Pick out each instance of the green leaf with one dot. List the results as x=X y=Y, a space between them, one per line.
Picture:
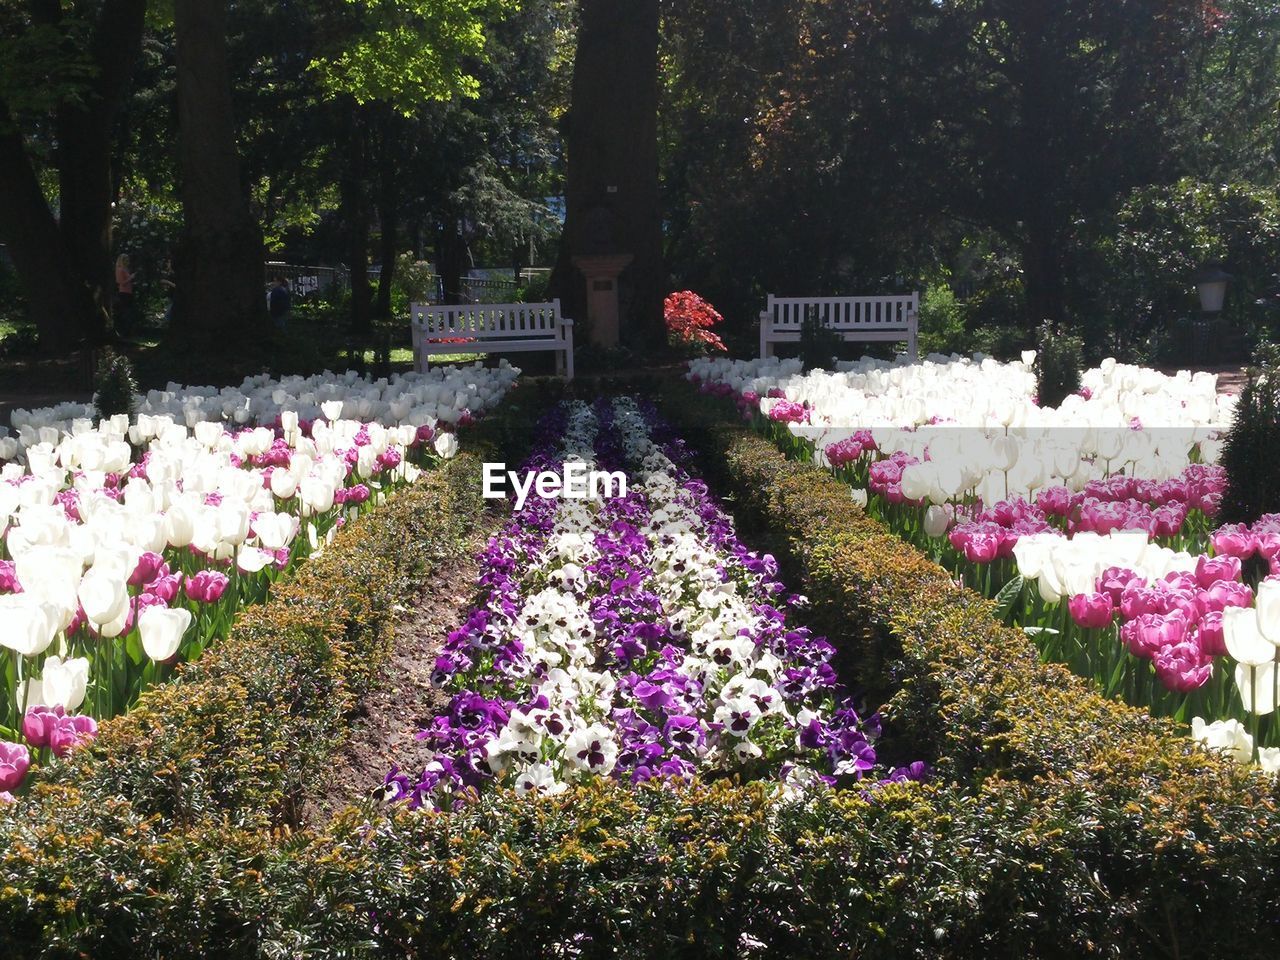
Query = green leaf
x=133 y=647
x=1007 y=597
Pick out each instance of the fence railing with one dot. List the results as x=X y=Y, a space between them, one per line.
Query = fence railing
x=305 y=281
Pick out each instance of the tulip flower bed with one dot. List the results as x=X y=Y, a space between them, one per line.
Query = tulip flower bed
x=127 y=548
x=1038 y=835
x=1092 y=525
x=635 y=638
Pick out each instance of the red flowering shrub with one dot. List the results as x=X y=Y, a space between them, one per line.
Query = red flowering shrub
x=690 y=319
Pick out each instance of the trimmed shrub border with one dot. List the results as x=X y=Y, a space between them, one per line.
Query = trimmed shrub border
x=1061 y=824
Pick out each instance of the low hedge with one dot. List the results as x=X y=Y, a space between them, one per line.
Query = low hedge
x=1059 y=824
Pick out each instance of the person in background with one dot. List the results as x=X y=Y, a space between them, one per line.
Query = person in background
x=279 y=302
x=124 y=296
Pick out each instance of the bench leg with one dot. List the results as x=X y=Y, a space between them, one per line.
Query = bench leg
x=766 y=348
x=914 y=348
x=560 y=364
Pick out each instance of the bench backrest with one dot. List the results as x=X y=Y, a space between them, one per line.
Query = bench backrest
x=845 y=313
x=487 y=321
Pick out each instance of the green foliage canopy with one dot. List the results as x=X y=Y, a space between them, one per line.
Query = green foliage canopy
x=407 y=53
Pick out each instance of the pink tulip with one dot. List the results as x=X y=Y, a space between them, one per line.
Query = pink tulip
x=1152 y=632
x=1092 y=611
x=1268 y=542
x=68 y=733
x=1114 y=580
x=38 y=724
x=983 y=546
x=1212 y=641
x=149 y=567
x=1223 y=594
x=1209 y=570
x=1169 y=519
x=9 y=577
x=1055 y=501
x=1182 y=668
x=1234 y=540
x=1137 y=599
x=784 y=411
x=14 y=761
x=166 y=588
x=207 y=586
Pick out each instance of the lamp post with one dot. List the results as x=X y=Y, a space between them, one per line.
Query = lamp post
x=1211 y=284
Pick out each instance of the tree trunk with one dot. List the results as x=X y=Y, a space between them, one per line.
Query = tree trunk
x=85 y=196
x=1042 y=271
x=220 y=290
x=355 y=208
x=389 y=220
x=64 y=264
x=58 y=303
x=452 y=254
x=86 y=184
x=611 y=197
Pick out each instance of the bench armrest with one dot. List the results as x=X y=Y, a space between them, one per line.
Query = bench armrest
x=566 y=322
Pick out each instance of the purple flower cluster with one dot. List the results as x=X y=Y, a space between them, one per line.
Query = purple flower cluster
x=635 y=638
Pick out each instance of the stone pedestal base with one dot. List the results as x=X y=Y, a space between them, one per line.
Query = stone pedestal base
x=602 y=295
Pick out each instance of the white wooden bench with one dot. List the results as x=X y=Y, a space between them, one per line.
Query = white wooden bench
x=891 y=319
x=491 y=328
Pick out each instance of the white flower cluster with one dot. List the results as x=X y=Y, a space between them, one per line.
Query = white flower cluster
x=78 y=512
x=731 y=681
x=983 y=430
x=411 y=400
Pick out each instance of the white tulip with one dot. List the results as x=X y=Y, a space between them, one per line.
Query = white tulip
x=1269 y=760
x=179 y=522
x=103 y=594
x=447 y=445
x=275 y=530
x=251 y=559
x=1257 y=687
x=1245 y=641
x=162 y=630
x=1226 y=736
x=64 y=682
x=29 y=625
x=1267 y=603
x=937 y=520
x=283 y=483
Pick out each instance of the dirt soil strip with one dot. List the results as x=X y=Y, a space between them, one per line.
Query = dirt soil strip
x=403 y=701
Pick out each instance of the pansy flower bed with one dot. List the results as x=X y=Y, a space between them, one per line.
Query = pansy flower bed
x=634 y=638
x=1091 y=524
x=130 y=545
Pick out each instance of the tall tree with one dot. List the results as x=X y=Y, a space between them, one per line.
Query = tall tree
x=383 y=58
x=612 y=198
x=69 y=65
x=219 y=261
